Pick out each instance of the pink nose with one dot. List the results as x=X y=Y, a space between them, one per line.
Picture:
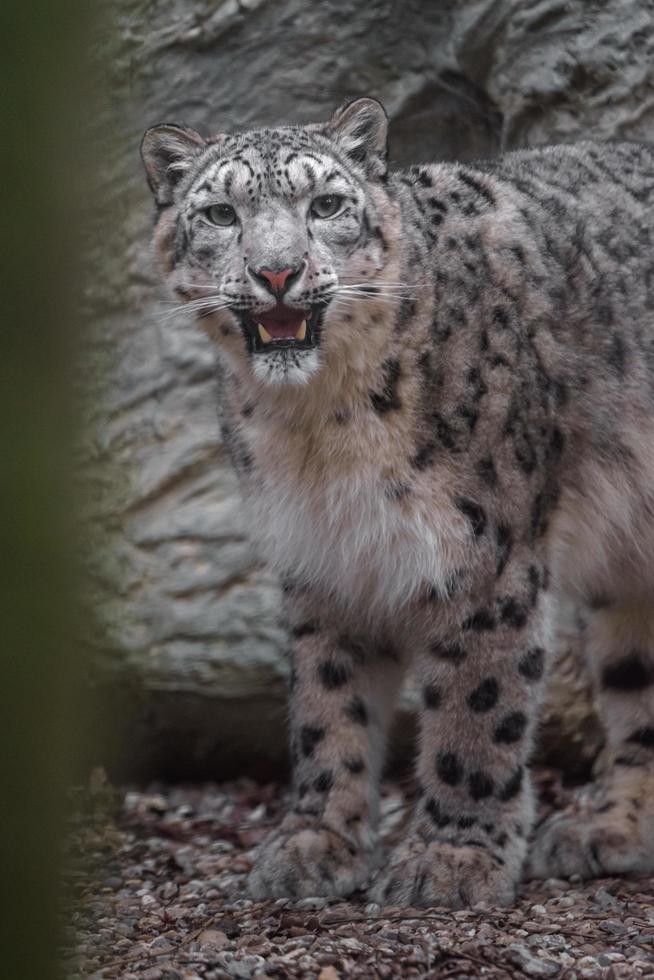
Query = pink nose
x=277 y=280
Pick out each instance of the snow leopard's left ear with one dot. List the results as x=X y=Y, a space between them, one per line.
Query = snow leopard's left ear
x=361 y=129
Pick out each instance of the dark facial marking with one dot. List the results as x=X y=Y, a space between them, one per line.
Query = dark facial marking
x=205 y=253
x=355 y=766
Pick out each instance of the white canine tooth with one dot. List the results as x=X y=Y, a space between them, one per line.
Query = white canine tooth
x=263 y=333
x=301 y=331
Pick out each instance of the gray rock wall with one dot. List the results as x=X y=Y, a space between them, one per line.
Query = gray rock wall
x=186 y=646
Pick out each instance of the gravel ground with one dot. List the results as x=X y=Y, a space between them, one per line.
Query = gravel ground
x=156 y=891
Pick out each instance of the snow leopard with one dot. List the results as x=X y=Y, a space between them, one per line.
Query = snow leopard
x=437 y=390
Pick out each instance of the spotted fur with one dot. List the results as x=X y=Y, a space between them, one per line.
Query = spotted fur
x=466 y=433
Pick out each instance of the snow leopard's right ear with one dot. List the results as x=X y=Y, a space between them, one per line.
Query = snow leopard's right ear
x=361 y=129
x=168 y=152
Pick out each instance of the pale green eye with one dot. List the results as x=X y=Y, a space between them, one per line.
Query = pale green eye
x=326 y=205
x=221 y=214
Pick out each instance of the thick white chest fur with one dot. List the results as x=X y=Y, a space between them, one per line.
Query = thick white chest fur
x=344 y=535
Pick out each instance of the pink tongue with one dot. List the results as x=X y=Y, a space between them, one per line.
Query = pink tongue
x=284 y=326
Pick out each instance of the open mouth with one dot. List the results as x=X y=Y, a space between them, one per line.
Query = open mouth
x=282 y=328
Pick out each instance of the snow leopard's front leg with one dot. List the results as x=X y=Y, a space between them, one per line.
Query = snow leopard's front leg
x=343 y=686
x=480 y=678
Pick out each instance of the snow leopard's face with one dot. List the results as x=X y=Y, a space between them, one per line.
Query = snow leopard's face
x=269 y=234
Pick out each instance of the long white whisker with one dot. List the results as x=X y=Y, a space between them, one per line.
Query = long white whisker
x=379 y=296
x=375 y=285
x=195 y=306
x=373 y=289
x=380 y=284
x=364 y=294
x=170 y=304
x=349 y=280
x=378 y=290
x=360 y=299
x=192 y=307
x=198 y=285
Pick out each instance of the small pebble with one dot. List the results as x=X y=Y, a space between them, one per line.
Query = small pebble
x=329 y=973
x=312 y=903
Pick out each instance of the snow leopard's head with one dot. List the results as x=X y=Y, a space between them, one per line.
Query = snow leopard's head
x=271 y=236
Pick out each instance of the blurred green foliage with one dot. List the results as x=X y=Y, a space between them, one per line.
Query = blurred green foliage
x=47 y=94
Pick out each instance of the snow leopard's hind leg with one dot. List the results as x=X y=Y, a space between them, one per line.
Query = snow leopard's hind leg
x=609 y=829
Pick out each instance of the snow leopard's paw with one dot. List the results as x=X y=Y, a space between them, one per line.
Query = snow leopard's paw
x=301 y=862
x=426 y=874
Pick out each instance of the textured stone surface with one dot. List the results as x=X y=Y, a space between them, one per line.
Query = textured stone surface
x=187 y=642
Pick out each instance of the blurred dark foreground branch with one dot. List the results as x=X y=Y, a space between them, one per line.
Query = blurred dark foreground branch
x=44 y=81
